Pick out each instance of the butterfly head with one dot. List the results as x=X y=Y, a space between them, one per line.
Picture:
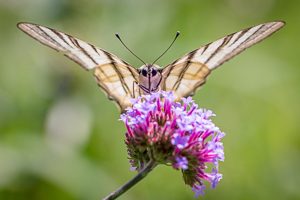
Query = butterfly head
x=149 y=70
x=149 y=77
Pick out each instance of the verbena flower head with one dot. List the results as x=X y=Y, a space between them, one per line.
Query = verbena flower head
x=175 y=133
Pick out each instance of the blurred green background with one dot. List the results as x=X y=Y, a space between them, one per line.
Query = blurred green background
x=60 y=137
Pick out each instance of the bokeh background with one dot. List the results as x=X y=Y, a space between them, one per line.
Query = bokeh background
x=60 y=137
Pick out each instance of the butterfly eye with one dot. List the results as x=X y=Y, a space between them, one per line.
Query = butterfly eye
x=144 y=72
x=154 y=72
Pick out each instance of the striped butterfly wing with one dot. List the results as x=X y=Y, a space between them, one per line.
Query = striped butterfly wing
x=114 y=76
x=185 y=75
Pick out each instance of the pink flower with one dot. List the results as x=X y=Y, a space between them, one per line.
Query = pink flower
x=174 y=133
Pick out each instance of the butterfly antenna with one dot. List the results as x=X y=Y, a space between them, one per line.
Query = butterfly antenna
x=117 y=35
x=176 y=36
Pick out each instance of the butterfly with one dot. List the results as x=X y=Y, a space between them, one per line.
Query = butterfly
x=121 y=82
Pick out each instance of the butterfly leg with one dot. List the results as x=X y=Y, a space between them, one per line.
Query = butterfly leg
x=142 y=89
x=133 y=89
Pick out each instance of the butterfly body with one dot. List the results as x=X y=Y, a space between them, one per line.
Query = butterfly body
x=122 y=82
x=150 y=78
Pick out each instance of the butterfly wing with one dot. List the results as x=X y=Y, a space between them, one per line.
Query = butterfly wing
x=188 y=73
x=114 y=76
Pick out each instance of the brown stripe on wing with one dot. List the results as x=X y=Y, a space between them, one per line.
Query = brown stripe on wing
x=173 y=64
x=243 y=32
x=95 y=49
x=106 y=82
x=204 y=72
x=72 y=56
x=84 y=51
x=106 y=91
x=259 y=29
x=61 y=36
x=250 y=36
x=102 y=71
x=48 y=38
x=130 y=69
x=224 y=42
x=125 y=63
x=185 y=68
x=205 y=48
x=120 y=75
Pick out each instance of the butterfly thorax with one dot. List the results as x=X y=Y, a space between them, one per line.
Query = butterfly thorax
x=149 y=78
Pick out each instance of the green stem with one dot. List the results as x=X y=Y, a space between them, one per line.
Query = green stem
x=143 y=173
